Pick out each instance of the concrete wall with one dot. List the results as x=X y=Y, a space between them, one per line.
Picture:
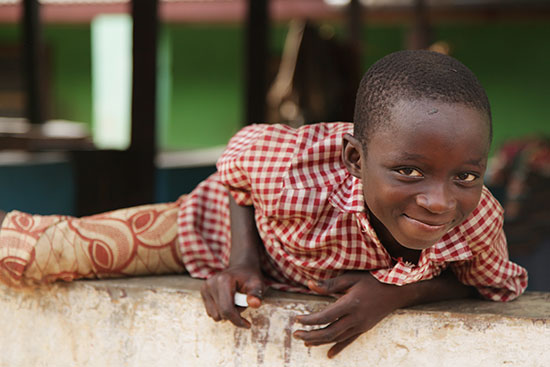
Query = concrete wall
x=160 y=321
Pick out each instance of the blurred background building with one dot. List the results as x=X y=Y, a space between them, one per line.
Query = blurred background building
x=111 y=103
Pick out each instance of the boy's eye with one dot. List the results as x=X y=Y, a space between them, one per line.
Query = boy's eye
x=409 y=172
x=466 y=177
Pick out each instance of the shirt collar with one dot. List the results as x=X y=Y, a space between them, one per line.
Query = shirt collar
x=453 y=246
x=348 y=195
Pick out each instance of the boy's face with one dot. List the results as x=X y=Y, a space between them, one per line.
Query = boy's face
x=423 y=174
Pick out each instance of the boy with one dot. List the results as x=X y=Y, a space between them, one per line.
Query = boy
x=389 y=212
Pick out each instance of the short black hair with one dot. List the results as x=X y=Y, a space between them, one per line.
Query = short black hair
x=412 y=75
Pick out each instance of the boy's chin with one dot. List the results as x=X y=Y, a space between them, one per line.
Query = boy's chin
x=419 y=247
x=418 y=244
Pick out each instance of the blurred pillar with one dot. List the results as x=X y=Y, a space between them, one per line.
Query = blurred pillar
x=355 y=25
x=420 y=36
x=256 y=58
x=144 y=97
x=32 y=46
x=355 y=15
x=112 y=179
x=144 y=75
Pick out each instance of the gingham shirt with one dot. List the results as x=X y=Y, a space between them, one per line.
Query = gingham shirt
x=311 y=216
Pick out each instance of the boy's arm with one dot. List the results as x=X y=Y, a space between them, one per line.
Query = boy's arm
x=2 y=215
x=243 y=273
x=366 y=301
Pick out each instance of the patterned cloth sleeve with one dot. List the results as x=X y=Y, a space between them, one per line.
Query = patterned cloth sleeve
x=231 y=166
x=37 y=249
x=490 y=271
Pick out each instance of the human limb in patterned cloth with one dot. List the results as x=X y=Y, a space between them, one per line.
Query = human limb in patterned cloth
x=134 y=241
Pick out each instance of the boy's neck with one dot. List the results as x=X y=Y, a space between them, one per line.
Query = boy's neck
x=394 y=248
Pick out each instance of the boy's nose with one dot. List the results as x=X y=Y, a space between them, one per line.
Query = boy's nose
x=437 y=199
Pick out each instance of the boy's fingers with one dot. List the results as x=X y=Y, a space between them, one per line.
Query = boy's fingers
x=253 y=301
x=335 y=332
x=339 y=284
x=317 y=337
x=233 y=315
x=227 y=308
x=349 y=332
x=338 y=347
x=209 y=304
x=326 y=316
x=255 y=288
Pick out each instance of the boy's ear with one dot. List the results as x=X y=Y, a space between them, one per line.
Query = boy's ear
x=351 y=155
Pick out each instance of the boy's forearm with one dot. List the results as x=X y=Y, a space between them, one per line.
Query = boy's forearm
x=245 y=240
x=442 y=288
x=243 y=274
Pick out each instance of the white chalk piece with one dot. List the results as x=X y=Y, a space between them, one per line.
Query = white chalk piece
x=240 y=299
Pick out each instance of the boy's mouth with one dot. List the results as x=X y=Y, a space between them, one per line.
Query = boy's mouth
x=426 y=225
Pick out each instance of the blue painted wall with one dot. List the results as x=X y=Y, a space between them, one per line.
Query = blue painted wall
x=37 y=188
x=49 y=188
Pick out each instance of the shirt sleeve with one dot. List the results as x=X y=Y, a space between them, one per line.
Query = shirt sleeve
x=233 y=165
x=490 y=270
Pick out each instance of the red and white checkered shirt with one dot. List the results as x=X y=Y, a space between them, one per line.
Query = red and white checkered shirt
x=311 y=216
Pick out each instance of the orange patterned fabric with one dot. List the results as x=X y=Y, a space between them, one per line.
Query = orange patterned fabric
x=135 y=241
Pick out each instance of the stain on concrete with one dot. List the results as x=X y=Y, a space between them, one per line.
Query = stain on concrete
x=401 y=352
x=541 y=322
x=260 y=335
x=287 y=340
x=116 y=293
x=238 y=335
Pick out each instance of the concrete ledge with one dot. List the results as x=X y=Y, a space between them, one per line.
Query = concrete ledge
x=160 y=321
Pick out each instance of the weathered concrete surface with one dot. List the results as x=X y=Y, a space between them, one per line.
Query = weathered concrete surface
x=160 y=321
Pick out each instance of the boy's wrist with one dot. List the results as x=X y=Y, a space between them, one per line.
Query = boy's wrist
x=441 y=288
x=245 y=240
x=248 y=260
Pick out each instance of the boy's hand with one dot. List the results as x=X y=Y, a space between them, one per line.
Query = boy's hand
x=218 y=291
x=365 y=302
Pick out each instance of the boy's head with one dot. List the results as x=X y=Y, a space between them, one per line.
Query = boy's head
x=413 y=75
x=421 y=140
